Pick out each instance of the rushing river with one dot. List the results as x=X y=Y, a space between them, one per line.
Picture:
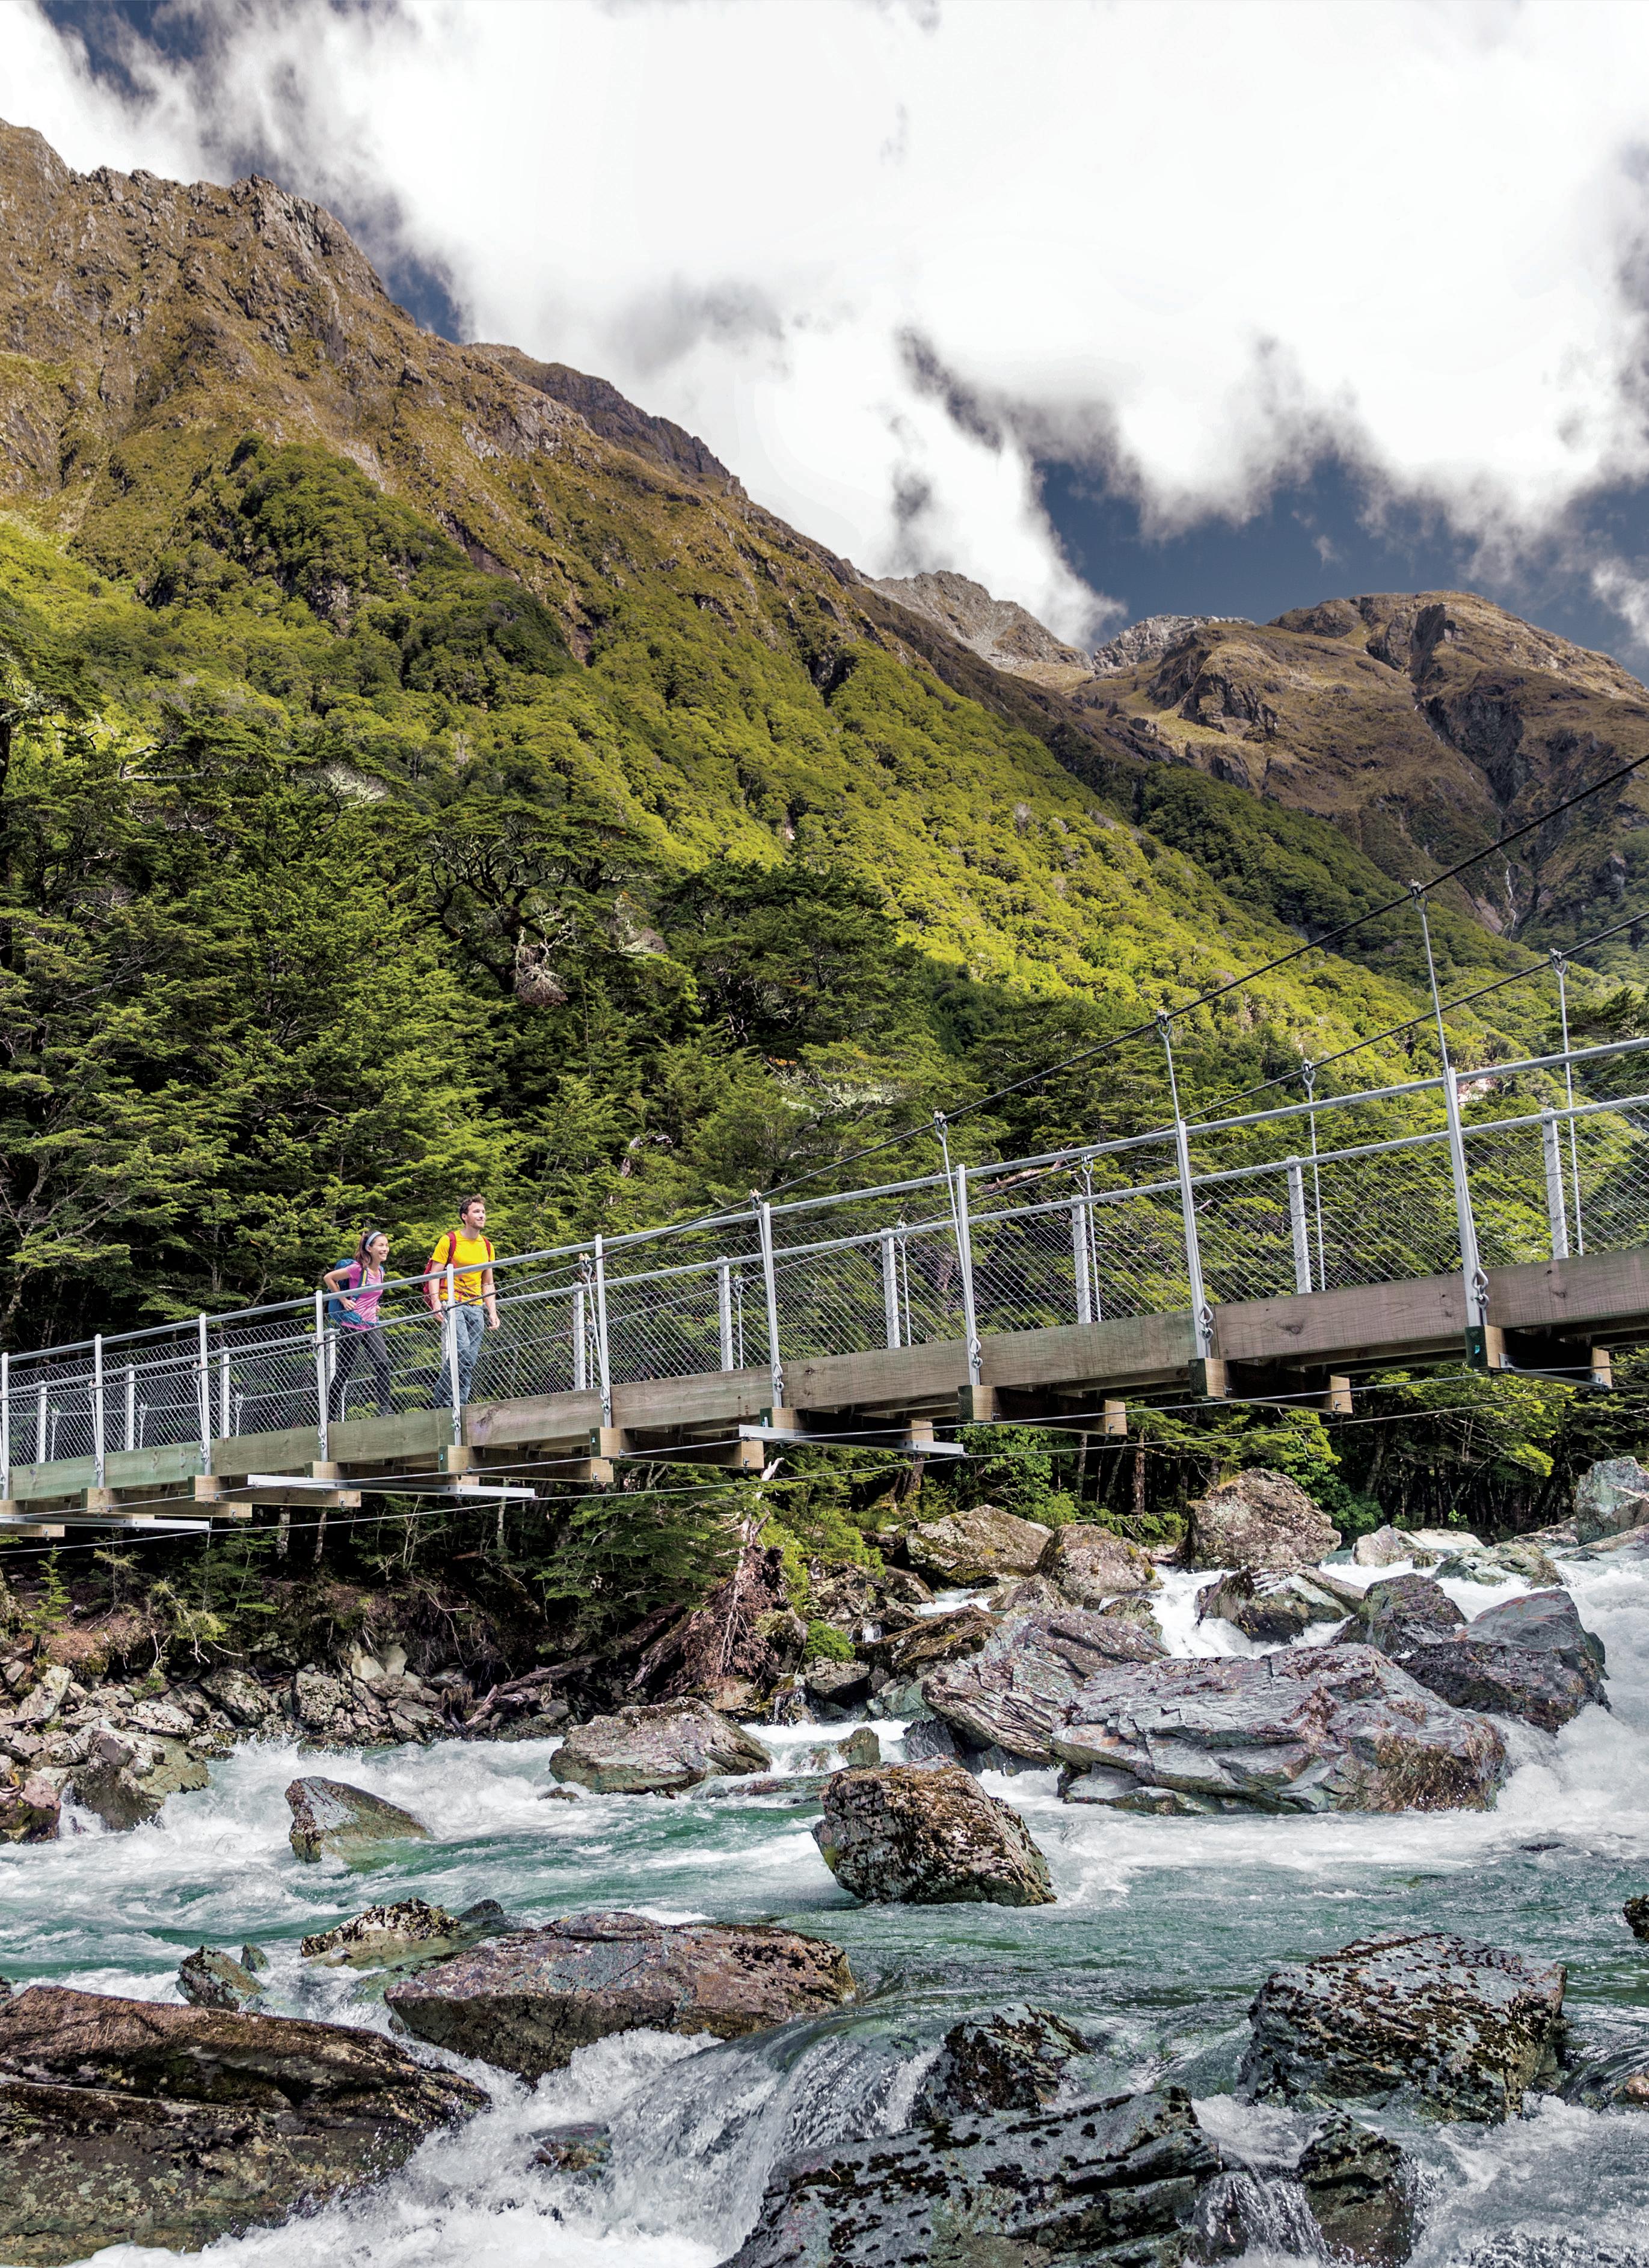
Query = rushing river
x=1163 y=1929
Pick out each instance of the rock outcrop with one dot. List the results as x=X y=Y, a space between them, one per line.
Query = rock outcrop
x=330 y=1819
x=1529 y=1657
x=928 y=1835
x=128 y=2122
x=1091 y=1564
x=656 y=1749
x=1258 y=1518
x=1314 y=1728
x=1012 y=2059
x=529 y=2001
x=30 y=1808
x=1008 y=1697
x=1402 y=1611
x=976 y=1546
x=1461 y=2028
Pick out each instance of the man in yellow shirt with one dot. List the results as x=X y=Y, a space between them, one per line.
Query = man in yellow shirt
x=468 y=1250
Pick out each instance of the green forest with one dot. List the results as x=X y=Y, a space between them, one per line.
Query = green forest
x=334 y=883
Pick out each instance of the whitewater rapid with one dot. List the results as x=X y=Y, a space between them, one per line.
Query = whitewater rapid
x=1163 y=1930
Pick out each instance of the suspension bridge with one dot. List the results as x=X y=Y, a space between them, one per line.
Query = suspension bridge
x=1498 y=1217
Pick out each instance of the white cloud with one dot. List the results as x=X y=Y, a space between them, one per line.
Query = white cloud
x=1190 y=241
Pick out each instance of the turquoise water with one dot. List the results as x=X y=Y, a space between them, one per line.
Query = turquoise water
x=1163 y=1930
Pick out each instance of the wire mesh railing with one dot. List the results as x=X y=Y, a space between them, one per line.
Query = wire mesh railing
x=1544 y=1158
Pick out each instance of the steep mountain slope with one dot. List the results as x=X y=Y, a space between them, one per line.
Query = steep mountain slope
x=424 y=766
x=1425 y=727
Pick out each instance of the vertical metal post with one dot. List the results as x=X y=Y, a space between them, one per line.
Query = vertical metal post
x=100 y=1459
x=1079 y=1261
x=129 y=1430
x=39 y=1428
x=965 y=1261
x=1308 y=1073
x=453 y=1387
x=320 y=1379
x=770 y=1288
x=1297 y=1225
x=6 y=1426
x=602 y=1356
x=1552 y=1157
x=724 y=1311
x=1562 y=968
x=204 y=1393
x=580 y=1342
x=1201 y=1313
x=1474 y=1281
x=890 y=1286
x=225 y=1428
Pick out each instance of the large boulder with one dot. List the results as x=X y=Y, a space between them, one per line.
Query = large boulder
x=1091 y=1564
x=1314 y=1729
x=1463 y=2029
x=656 y=1749
x=126 y=1776
x=1012 y=2059
x=1258 y=1518
x=1529 y=1657
x=527 y=2001
x=1610 y=1497
x=1272 y=1608
x=928 y=1835
x=331 y=1819
x=1011 y=1695
x=1117 y=2179
x=128 y=2122
x=1401 y=1612
x=976 y=1546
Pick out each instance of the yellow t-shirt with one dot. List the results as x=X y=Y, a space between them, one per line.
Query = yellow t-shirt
x=461 y=1250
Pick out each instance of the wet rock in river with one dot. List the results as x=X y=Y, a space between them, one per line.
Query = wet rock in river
x=902 y=1656
x=838 y=1687
x=1464 y=2029
x=1012 y=2059
x=976 y=1546
x=30 y=1808
x=1359 y=2189
x=1091 y=1564
x=1013 y=1691
x=582 y=2147
x=331 y=1819
x=1403 y=1610
x=1610 y=1497
x=1271 y=1608
x=1637 y=1913
x=1258 y=1518
x=656 y=1749
x=928 y=1835
x=1529 y=1657
x=1314 y=1728
x=128 y=2122
x=527 y=2000
x=217 y=1980
x=1114 y=2179
x=126 y=1776
x=393 y=1936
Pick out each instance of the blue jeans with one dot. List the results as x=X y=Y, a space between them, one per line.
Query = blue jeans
x=469 y=1325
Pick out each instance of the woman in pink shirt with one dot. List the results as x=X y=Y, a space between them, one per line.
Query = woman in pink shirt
x=358 y=1286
